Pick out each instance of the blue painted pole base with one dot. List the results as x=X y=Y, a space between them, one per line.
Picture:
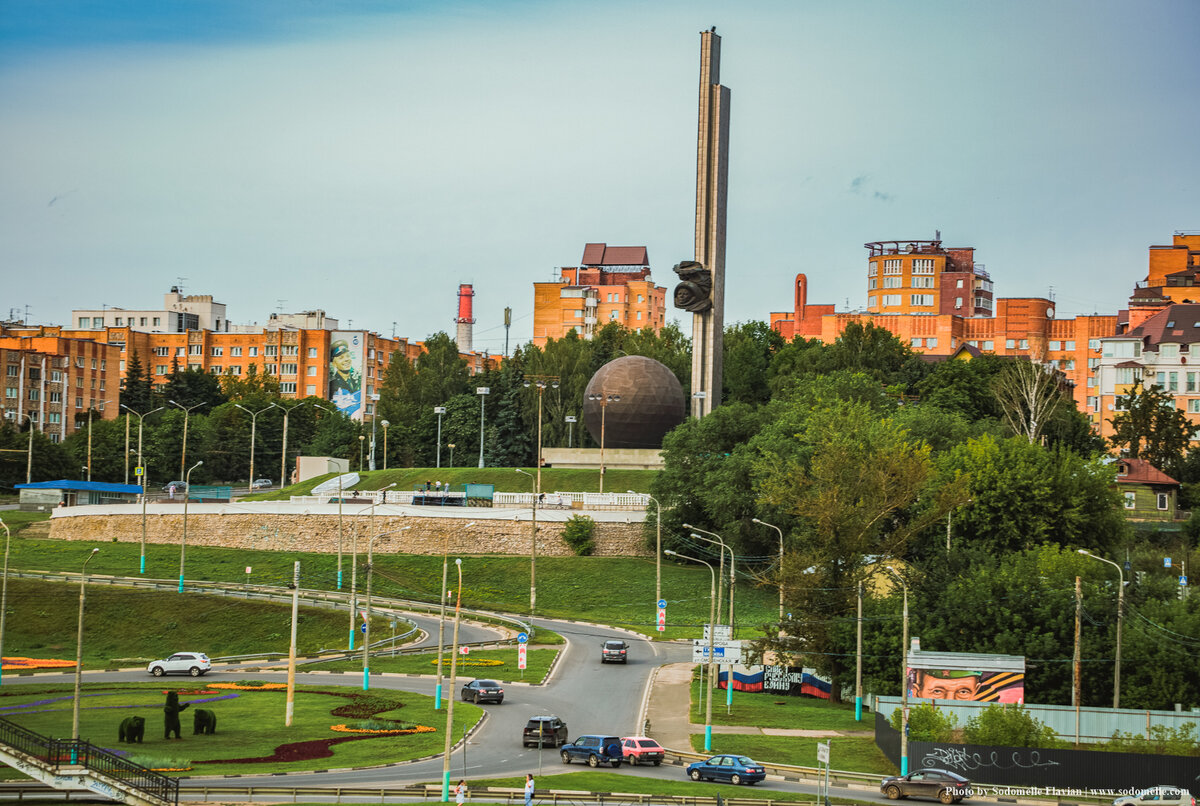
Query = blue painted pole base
x=904 y=765
x=181 y=583
x=143 y=566
x=446 y=787
x=352 y=640
x=366 y=679
x=339 y=580
x=708 y=738
x=437 y=697
x=858 y=709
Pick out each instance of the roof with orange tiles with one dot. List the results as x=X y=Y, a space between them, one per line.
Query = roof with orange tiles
x=599 y=254
x=1139 y=471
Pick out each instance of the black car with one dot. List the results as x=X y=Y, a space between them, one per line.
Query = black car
x=615 y=651
x=948 y=787
x=595 y=749
x=478 y=691
x=544 y=731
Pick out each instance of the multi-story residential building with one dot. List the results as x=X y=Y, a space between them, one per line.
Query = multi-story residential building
x=178 y=315
x=611 y=284
x=923 y=277
x=803 y=320
x=1174 y=270
x=53 y=382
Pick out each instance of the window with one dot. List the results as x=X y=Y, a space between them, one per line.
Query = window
x=312 y=352
x=1172 y=381
x=959 y=284
x=235 y=369
x=13 y=370
x=79 y=362
x=641 y=298
x=253 y=351
x=271 y=349
x=311 y=371
x=892 y=282
x=370 y=354
x=142 y=321
x=1168 y=351
x=871 y=300
x=195 y=349
x=214 y=370
x=1093 y=363
x=83 y=321
x=1024 y=344
x=161 y=369
x=1091 y=381
x=1160 y=380
x=1130 y=500
x=1194 y=406
x=613 y=315
x=958 y=302
x=1069 y=364
x=922 y=300
x=55 y=417
x=192 y=367
x=918 y=342
x=218 y=351
x=639 y=316
x=1191 y=382
x=179 y=352
x=1010 y=344
x=931 y=343
x=10 y=392
x=157 y=321
x=1068 y=345
x=989 y=345
x=310 y=390
x=922 y=265
x=287 y=388
x=1122 y=349
x=290 y=349
x=120 y=321
x=891 y=267
x=289 y=369
x=162 y=351
x=97 y=321
x=1125 y=375
x=1093 y=403
x=1093 y=344
x=1164 y=501
x=1055 y=345
x=79 y=383
x=872 y=283
x=922 y=282
x=56 y=397
x=872 y=270
x=891 y=299
x=578 y=314
x=103 y=365
x=271 y=369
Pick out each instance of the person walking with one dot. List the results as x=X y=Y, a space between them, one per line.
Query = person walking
x=460 y=792
x=528 y=789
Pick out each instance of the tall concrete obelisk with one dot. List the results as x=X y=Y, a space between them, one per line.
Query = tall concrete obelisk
x=712 y=177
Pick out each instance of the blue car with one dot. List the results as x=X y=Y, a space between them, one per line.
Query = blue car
x=734 y=769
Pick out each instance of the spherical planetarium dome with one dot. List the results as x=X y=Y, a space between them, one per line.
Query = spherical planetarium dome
x=642 y=401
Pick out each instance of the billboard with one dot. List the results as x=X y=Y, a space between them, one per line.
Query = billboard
x=347 y=349
x=966 y=676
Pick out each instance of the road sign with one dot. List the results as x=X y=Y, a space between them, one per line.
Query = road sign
x=662 y=604
x=823 y=752
x=723 y=633
x=727 y=652
x=522 y=638
x=662 y=619
x=1166 y=562
x=139 y=471
x=521 y=656
x=1183 y=580
x=364 y=628
x=464 y=650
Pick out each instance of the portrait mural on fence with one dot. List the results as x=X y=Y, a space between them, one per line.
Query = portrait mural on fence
x=345 y=372
x=966 y=676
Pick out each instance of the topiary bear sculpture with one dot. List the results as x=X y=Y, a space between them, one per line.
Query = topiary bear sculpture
x=203 y=721
x=132 y=729
x=171 y=715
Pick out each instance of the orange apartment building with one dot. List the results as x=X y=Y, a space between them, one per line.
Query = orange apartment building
x=611 y=284
x=923 y=277
x=53 y=382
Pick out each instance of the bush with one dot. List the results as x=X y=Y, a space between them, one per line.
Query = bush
x=579 y=534
x=1008 y=726
x=926 y=723
x=1163 y=741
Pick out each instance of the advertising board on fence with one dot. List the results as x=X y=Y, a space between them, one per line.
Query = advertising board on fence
x=966 y=676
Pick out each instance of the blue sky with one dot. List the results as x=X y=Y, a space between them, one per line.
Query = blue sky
x=367 y=157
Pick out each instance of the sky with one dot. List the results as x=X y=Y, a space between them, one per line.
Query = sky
x=365 y=158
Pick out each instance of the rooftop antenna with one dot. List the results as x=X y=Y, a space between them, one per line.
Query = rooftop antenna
x=179 y=284
x=1052 y=293
x=279 y=305
x=393 y=331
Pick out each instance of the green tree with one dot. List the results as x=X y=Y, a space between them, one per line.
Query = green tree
x=925 y=723
x=1029 y=395
x=1149 y=426
x=51 y=461
x=747 y=352
x=254 y=390
x=194 y=387
x=136 y=392
x=1008 y=725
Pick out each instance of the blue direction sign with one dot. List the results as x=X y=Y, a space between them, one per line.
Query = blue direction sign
x=522 y=638
x=662 y=603
x=1183 y=580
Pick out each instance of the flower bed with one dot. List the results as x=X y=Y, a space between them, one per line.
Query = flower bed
x=471 y=662
x=34 y=663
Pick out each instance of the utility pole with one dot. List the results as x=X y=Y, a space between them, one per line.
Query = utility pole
x=1076 y=689
x=858 y=663
x=291 y=678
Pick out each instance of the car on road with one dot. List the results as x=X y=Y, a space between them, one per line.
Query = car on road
x=1159 y=796
x=595 y=749
x=544 y=731
x=946 y=786
x=179 y=486
x=193 y=663
x=478 y=691
x=734 y=769
x=260 y=484
x=615 y=651
x=642 y=750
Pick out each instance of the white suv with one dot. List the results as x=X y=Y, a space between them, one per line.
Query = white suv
x=193 y=663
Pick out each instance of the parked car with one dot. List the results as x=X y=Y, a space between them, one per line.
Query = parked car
x=734 y=769
x=642 y=750
x=948 y=787
x=1159 y=796
x=595 y=749
x=544 y=731
x=478 y=691
x=260 y=484
x=615 y=651
x=193 y=663
x=179 y=486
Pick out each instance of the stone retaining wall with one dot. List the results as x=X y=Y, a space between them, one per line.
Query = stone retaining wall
x=319 y=533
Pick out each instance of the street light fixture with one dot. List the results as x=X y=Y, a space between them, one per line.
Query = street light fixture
x=89 y=445
x=483 y=392
x=253 y=431
x=284 y=478
x=532 y=550
x=187 y=494
x=439 y=411
x=187 y=412
x=384 y=424
x=570 y=420
x=541 y=382
x=450 y=699
x=777 y=529
x=141 y=468
x=604 y=400
x=4 y=588
x=712 y=599
x=354 y=560
x=903 y=677
x=437 y=697
x=79 y=648
x=658 y=547
x=451 y=447
x=367 y=617
x=360 y=452
x=732 y=581
x=1120 y=619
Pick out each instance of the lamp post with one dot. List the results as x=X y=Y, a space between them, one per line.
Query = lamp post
x=79 y=648
x=29 y=451
x=187 y=493
x=126 y=447
x=451 y=447
x=712 y=597
x=187 y=412
x=658 y=547
x=374 y=417
x=89 y=445
x=570 y=420
x=141 y=468
x=903 y=677
x=437 y=697
x=1120 y=619
x=4 y=589
x=384 y=424
x=439 y=411
x=604 y=401
x=253 y=432
x=367 y=619
x=532 y=551
x=483 y=392
x=340 y=496
x=541 y=382
x=284 y=479
x=780 y=531
x=450 y=699
x=360 y=452
x=732 y=582
x=354 y=564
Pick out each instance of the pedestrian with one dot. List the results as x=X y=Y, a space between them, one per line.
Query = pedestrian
x=528 y=789
x=460 y=792
x=171 y=491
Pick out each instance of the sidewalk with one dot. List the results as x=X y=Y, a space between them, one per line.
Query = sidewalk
x=671 y=723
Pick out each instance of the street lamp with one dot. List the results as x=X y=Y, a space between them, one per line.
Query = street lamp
x=354 y=561
x=604 y=401
x=712 y=599
x=570 y=420
x=450 y=699
x=732 y=581
x=79 y=648
x=4 y=589
x=658 y=548
x=253 y=430
x=187 y=411
x=541 y=382
x=284 y=479
x=482 y=391
x=903 y=677
x=340 y=496
x=187 y=494
x=360 y=452
x=141 y=468
x=439 y=411
x=532 y=551
x=1120 y=619
x=451 y=447
x=89 y=447
x=777 y=529
x=437 y=697
x=384 y=425
x=367 y=617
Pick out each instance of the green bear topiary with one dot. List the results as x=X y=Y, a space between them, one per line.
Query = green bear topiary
x=203 y=721
x=171 y=715
x=132 y=729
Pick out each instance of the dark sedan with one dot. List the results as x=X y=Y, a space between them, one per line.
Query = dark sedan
x=478 y=691
x=734 y=769
x=948 y=787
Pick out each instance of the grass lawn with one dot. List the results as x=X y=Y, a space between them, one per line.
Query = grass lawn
x=851 y=753
x=538 y=664
x=250 y=724
x=611 y=590
x=762 y=710
x=132 y=625
x=672 y=782
x=16 y=520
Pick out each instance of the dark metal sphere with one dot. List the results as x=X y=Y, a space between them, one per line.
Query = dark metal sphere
x=651 y=402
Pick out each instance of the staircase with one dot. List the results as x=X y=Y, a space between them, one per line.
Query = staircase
x=77 y=765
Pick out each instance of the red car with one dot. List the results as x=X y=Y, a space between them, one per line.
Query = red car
x=642 y=750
